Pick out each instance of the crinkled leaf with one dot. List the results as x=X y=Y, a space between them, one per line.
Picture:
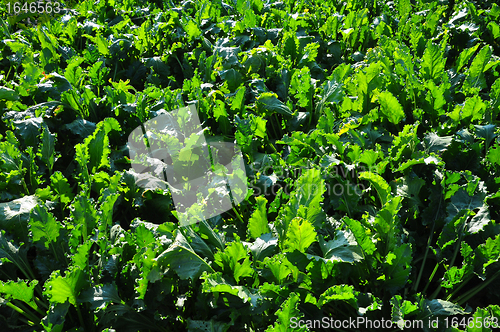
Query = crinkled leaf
x=286 y=314
x=19 y=290
x=264 y=246
x=61 y=289
x=434 y=143
x=100 y=296
x=343 y=248
x=269 y=102
x=44 y=227
x=183 y=260
x=390 y=107
x=397 y=267
x=258 y=224
x=14 y=216
x=433 y=62
x=8 y=94
x=300 y=235
x=383 y=189
x=362 y=237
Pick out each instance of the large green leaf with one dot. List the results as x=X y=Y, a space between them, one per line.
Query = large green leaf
x=268 y=102
x=8 y=94
x=300 y=235
x=60 y=289
x=9 y=252
x=100 y=296
x=14 y=216
x=433 y=63
x=288 y=316
x=47 y=147
x=390 y=107
x=363 y=238
x=183 y=260
x=258 y=224
x=44 y=227
x=342 y=248
x=397 y=267
x=383 y=189
x=19 y=290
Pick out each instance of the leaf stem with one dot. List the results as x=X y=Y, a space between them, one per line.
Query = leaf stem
x=80 y=317
x=26 y=314
x=429 y=241
x=467 y=295
x=238 y=215
x=462 y=284
x=431 y=277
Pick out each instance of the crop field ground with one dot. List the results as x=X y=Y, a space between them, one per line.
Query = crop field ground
x=369 y=132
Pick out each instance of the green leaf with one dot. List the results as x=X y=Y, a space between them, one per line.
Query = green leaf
x=73 y=72
x=264 y=246
x=47 y=147
x=474 y=108
x=487 y=132
x=8 y=94
x=332 y=93
x=19 y=290
x=488 y=253
x=269 y=102
x=439 y=307
x=100 y=296
x=397 y=267
x=97 y=145
x=454 y=275
x=230 y=261
x=60 y=185
x=84 y=213
x=61 y=289
x=288 y=316
x=434 y=143
x=192 y=30
x=390 y=107
x=14 y=216
x=221 y=116
x=362 y=236
x=479 y=221
x=215 y=283
x=258 y=224
x=14 y=254
x=465 y=56
x=344 y=293
x=81 y=127
x=463 y=201
x=494 y=155
x=183 y=260
x=386 y=221
x=300 y=235
x=383 y=189
x=475 y=77
x=401 y=309
x=342 y=248
x=29 y=130
x=301 y=88
x=54 y=321
x=43 y=226
x=433 y=63
x=232 y=77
